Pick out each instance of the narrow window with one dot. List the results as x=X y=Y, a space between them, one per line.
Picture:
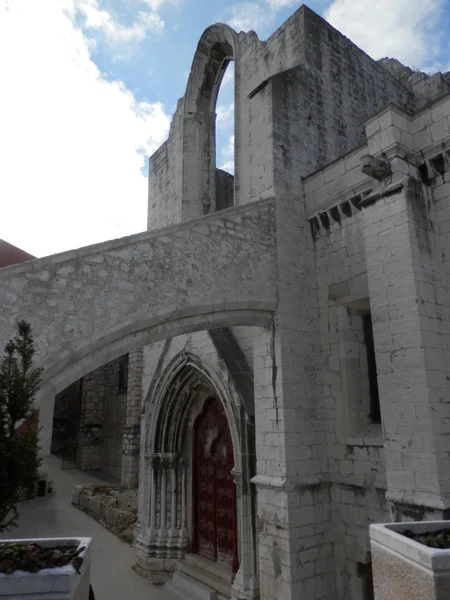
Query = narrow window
x=224 y=134
x=123 y=373
x=375 y=412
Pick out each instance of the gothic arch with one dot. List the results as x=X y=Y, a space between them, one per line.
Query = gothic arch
x=165 y=508
x=170 y=396
x=163 y=459
x=216 y=48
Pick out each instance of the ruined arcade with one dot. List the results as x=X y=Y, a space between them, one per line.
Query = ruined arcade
x=292 y=319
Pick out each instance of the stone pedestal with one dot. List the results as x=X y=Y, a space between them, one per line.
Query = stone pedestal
x=406 y=570
x=63 y=583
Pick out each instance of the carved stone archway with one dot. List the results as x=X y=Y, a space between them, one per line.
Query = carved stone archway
x=165 y=525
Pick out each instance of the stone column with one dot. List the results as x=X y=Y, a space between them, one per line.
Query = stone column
x=131 y=430
x=183 y=466
x=163 y=506
x=408 y=303
x=152 y=507
x=246 y=582
x=294 y=512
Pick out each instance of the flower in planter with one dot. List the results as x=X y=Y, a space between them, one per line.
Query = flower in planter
x=436 y=539
x=33 y=558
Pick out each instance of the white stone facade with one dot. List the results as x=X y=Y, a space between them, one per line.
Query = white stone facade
x=340 y=213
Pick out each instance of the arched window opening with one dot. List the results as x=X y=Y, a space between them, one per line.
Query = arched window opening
x=224 y=139
x=209 y=125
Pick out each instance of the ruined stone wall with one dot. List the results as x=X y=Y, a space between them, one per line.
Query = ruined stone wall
x=291 y=425
x=324 y=87
x=384 y=246
x=123 y=294
x=114 y=415
x=103 y=420
x=66 y=417
x=90 y=435
x=322 y=105
x=165 y=178
x=301 y=100
x=319 y=109
x=131 y=431
x=354 y=443
x=339 y=86
x=224 y=190
x=426 y=88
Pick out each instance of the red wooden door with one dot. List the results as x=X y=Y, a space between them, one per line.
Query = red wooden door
x=214 y=501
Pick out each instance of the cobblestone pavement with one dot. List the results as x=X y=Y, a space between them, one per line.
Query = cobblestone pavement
x=54 y=516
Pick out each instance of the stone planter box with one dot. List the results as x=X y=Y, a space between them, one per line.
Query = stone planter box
x=60 y=583
x=406 y=570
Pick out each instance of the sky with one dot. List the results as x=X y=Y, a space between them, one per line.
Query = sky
x=88 y=88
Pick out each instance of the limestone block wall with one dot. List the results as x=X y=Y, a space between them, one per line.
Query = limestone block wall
x=114 y=415
x=224 y=190
x=379 y=249
x=338 y=87
x=131 y=431
x=90 y=436
x=426 y=88
x=407 y=271
x=324 y=87
x=66 y=417
x=354 y=443
x=165 y=178
x=189 y=287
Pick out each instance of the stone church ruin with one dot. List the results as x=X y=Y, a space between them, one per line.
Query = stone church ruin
x=291 y=321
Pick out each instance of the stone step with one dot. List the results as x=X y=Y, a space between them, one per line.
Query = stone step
x=220 y=571
x=207 y=575
x=185 y=588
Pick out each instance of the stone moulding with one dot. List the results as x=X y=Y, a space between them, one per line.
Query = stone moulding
x=404 y=569
x=60 y=583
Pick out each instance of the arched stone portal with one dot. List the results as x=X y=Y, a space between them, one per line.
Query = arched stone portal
x=194 y=435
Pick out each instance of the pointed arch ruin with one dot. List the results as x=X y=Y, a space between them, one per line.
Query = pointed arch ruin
x=216 y=48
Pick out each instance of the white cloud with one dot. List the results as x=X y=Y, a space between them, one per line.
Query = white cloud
x=228 y=166
x=228 y=76
x=225 y=116
x=404 y=29
x=228 y=155
x=72 y=144
x=255 y=16
x=102 y=20
x=277 y=4
x=228 y=150
x=248 y=16
x=157 y=4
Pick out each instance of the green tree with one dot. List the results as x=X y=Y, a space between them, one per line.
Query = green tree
x=19 y=461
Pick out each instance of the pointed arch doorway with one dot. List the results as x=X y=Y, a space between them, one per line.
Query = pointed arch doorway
x=214 y=534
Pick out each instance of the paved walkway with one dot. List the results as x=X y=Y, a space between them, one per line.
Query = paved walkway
x=54 y=516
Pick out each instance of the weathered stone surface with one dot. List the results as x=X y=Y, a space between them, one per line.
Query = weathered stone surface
x=112 y=506
x=89 y=306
